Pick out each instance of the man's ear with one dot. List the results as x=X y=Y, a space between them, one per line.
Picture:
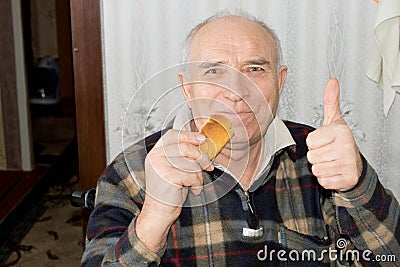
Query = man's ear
x=185 y=86
x=282 y=77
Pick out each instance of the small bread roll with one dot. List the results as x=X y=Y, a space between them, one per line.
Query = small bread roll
x=218 y=131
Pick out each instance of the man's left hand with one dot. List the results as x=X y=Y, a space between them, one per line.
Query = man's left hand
x=333 y=152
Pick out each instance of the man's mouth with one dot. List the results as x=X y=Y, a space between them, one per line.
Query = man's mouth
x=238 y=112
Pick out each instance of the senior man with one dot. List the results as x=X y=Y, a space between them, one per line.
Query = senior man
x=277 y=193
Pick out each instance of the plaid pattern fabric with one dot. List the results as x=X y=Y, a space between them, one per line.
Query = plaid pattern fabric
x=295 y=214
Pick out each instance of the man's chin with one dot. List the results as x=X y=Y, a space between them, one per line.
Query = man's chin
x=243 y=141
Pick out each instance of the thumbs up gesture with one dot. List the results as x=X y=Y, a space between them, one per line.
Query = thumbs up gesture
x=333 y=152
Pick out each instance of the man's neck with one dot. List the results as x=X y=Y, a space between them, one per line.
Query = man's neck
x=243 y=164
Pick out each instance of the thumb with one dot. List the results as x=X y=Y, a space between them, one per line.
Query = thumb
x=331 y=102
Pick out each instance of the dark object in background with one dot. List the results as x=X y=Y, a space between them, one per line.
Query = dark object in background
x=45 y=82
x=83 y=199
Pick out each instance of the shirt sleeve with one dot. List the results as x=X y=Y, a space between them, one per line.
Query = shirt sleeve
x=111 y=238
x=369 y=215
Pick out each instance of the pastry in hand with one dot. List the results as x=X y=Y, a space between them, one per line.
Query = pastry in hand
x=218 y=131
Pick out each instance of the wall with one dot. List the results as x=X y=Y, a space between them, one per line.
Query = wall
x=320 y=39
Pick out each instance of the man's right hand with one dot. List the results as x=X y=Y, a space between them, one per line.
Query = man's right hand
x=173 y=165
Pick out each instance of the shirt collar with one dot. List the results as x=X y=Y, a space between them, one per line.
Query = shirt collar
x=182 y=119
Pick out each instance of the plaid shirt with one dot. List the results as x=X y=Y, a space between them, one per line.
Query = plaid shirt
x=297 y=221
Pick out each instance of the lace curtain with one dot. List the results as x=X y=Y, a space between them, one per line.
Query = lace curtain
x=320 y=39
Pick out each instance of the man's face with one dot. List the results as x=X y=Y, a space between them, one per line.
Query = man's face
x=234 y=74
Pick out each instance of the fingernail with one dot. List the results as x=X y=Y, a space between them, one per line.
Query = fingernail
x=200 y=137
x=196 y=191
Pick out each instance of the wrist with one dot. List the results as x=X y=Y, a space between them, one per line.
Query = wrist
x=360 y=194
x=152 y=232
x=153 y=224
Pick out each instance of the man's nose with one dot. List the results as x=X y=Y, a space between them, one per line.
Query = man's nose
x=237 y=87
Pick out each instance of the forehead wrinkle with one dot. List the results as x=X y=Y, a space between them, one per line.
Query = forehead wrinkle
x=235 y=56
x=236 y=41
x=227 y=46
x=227 y=40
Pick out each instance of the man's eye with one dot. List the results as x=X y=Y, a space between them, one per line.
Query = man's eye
x=254 y=69
x=212 y=71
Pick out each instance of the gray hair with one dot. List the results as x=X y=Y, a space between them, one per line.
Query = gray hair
x=226 y=14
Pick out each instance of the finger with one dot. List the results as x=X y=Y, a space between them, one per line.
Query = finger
x=192 y=182
x=193 y=152
x=182 y=150
x=176 y=137
x=328 y=169
x=163 y=165
x=324 y=153
x=196 y=188
x=205 y=162
x=170 y=176
x=187 y=157
x=337 y=182
x=171 y=189
x=331 y=102
x=320 y=137
x=184 y=165
x=332 y=182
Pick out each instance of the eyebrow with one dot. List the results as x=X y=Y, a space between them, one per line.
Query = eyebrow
x=211 y=64
x=256 y=61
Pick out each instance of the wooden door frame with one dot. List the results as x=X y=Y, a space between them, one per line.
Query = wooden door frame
x=9 y=90
x=88 y=84
x=64 y=46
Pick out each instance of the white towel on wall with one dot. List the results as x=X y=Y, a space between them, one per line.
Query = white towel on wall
x=384 y=65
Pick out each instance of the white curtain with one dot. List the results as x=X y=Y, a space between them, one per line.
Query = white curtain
x=320 y=39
